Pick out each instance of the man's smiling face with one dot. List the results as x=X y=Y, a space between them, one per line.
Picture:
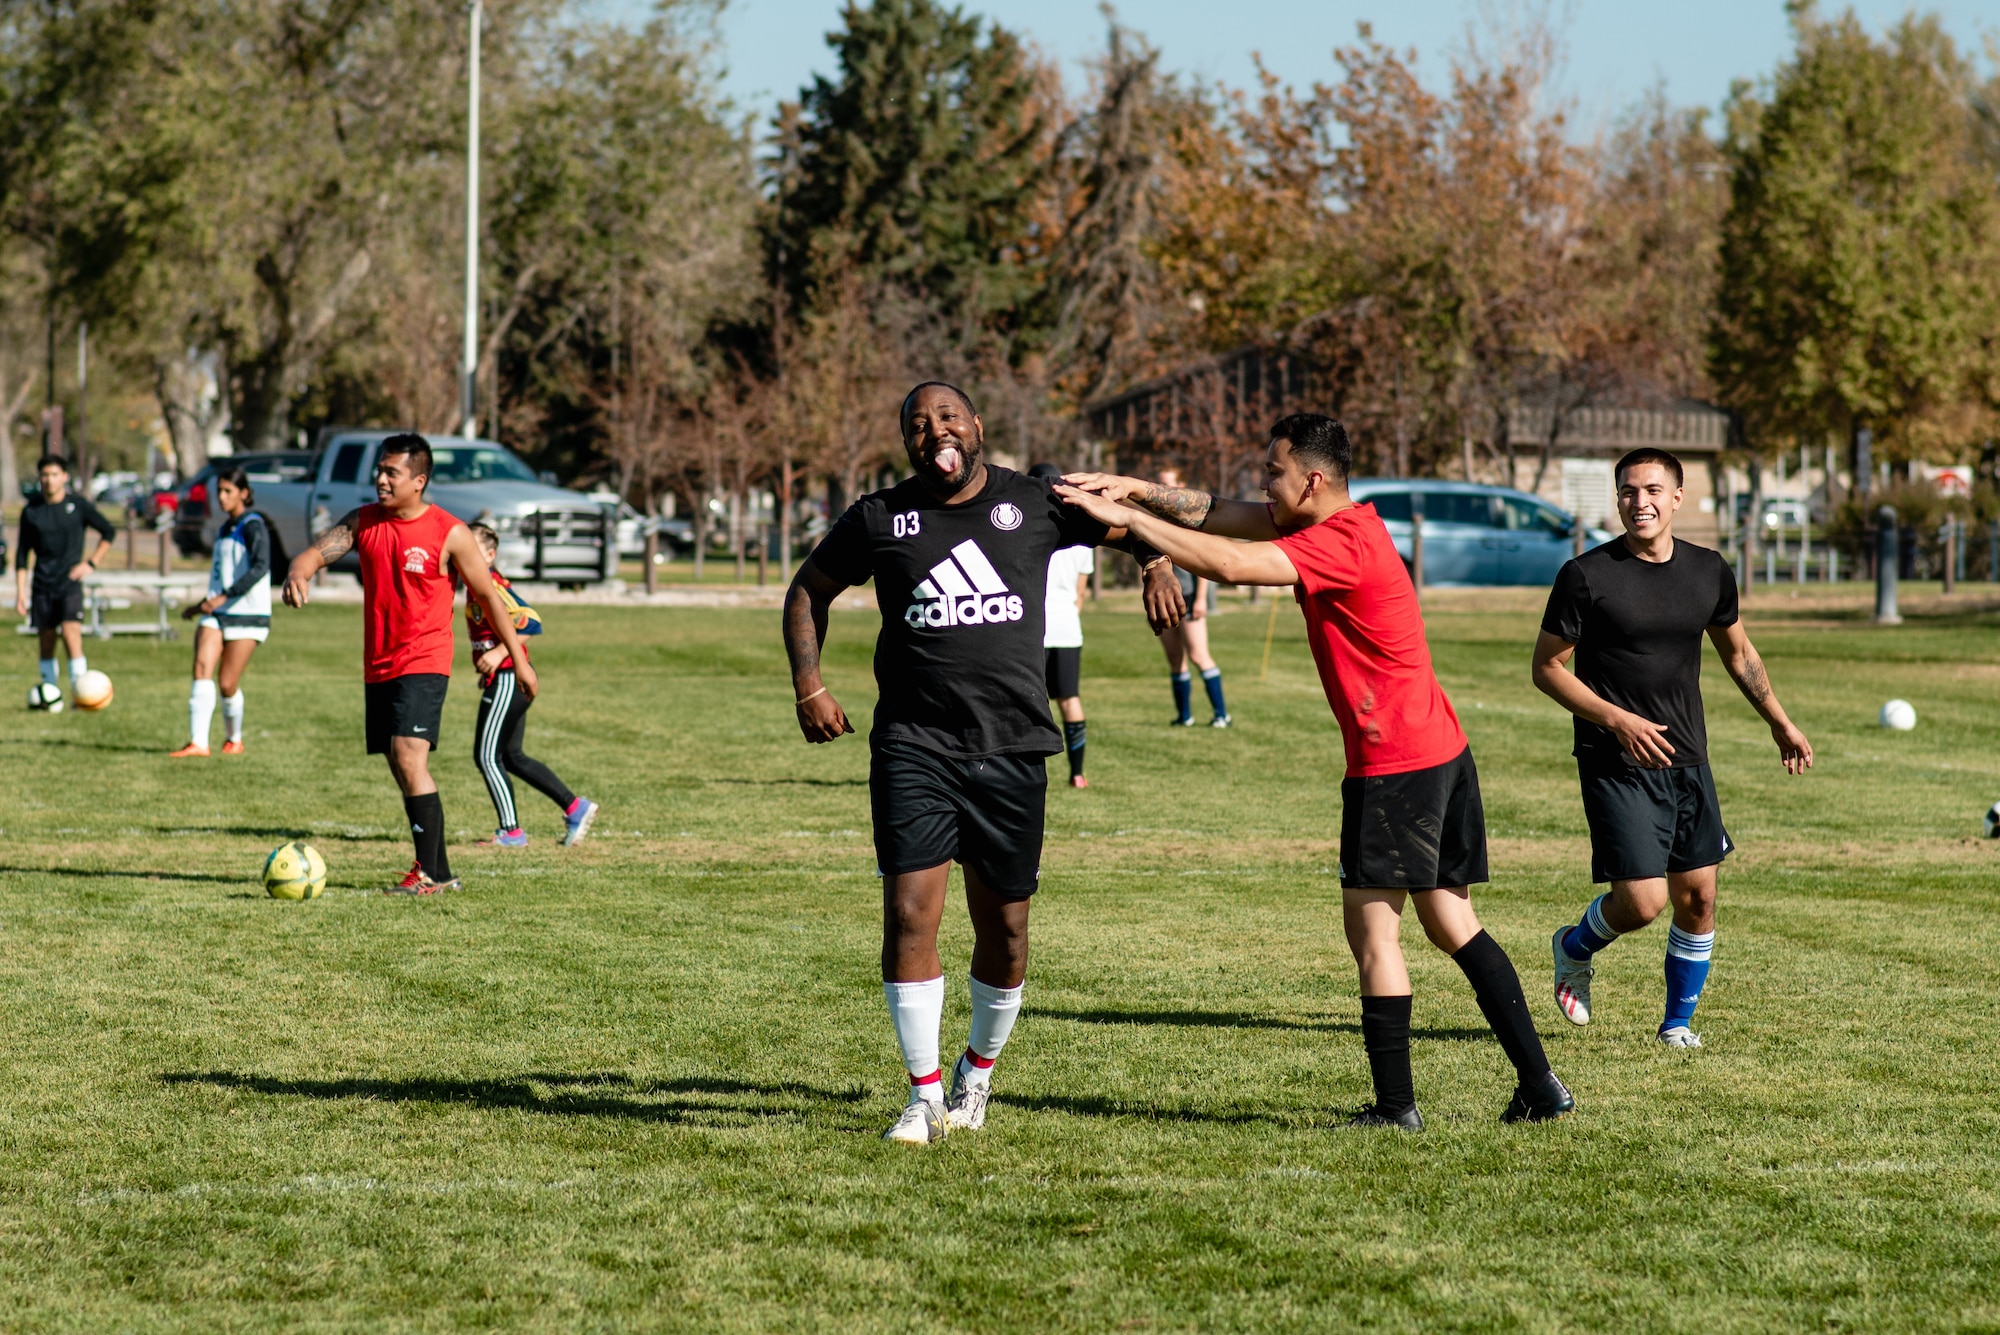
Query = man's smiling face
x=1647 y=499
x=943 y=437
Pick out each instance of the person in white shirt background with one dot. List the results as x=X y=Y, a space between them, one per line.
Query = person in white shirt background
x=1062 y=641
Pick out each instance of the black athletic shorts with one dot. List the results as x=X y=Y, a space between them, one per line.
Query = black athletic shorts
x=1645 y=823
x=1413 y=831
x=411 y=706
x=1063 y=669
x=49 y=608
x=985 y=814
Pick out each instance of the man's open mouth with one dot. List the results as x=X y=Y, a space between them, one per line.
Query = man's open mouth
x=947 y=459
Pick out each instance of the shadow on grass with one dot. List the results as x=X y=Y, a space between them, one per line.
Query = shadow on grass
x=1086 y=1106
x=798 y=783
x=700 y=1101
x=75 y=744
x=1240 y=1020
x=101 y=874
x=284 y=832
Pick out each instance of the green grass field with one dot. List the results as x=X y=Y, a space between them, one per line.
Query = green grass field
x=638 y=1085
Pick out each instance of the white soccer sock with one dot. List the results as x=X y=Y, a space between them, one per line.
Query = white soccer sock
x=994 y=1010
x=49 y=670
x=232 y=716
x=201 y=708
x=917 y=1010
x=77 y=667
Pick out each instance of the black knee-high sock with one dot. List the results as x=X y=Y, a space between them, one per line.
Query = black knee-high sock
x=1498 y=989
x=1073 y=740
x=1385 y=1033
x=426 y=813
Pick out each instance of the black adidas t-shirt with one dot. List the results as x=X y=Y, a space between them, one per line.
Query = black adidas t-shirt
x=961 y=588
x=1637 y=626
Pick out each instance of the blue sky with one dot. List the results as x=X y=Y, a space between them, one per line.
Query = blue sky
x=1615 y=49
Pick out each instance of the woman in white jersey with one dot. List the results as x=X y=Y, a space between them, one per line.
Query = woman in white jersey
x=1062 y=640
x=235 y=617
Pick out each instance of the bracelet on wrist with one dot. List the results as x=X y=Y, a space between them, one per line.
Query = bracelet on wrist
x=814 y=696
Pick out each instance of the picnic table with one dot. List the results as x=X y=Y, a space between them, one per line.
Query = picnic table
x=97 y=600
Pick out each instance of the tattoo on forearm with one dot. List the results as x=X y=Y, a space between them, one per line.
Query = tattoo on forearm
x=805 y=630
x=335 y=543
x=1178 y=505
x=1756 y=687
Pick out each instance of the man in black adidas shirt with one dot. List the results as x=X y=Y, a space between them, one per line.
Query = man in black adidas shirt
x=1633 y=612
x=52 y=542
x=960 y=557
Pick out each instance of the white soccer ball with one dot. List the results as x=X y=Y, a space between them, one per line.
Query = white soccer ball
x=45 y=695
x=1993 y=821
x=92 y=690
x=1899 y=715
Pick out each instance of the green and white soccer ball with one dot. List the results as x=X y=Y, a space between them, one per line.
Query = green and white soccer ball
x=1993 y=821
x=45 y=696
x=294 y=871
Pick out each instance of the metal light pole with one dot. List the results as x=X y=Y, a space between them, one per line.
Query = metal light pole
x=468 y=390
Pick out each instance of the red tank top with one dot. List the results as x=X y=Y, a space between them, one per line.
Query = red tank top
x=407 y=585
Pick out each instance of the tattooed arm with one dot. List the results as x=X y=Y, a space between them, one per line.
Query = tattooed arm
x=1740 y=661
x=1185 y=506
x=327 y=548
x=821 y=718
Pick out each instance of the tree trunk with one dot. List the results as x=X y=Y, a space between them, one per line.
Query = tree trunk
x=10 y=409
x=785 y=518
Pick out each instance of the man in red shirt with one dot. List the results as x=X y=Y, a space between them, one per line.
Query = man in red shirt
x=1411 y=821
x=408 y=549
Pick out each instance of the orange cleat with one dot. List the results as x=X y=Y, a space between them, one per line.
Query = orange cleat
x=1078 y=781
x=232 y=748
x=189 y=752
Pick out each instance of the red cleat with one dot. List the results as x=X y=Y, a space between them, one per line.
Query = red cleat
x=416 y=883
x=189 y=752
x=1078 y=781
x=232 y=748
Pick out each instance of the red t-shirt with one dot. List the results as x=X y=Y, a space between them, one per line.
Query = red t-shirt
x=1367 y=636
x=406 y=611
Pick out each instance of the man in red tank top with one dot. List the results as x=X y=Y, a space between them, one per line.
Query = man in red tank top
x=1411 y=823
x=409 y=549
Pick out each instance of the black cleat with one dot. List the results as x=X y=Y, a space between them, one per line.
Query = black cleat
x=1407 y=1120
x=1542 y=1100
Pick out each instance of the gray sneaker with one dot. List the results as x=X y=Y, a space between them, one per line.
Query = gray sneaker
x=922 y=1123
x=965 y=1106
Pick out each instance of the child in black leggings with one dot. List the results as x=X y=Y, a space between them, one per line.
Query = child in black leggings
x=503 y=717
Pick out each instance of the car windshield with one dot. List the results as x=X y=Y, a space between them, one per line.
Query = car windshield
x=477 y=463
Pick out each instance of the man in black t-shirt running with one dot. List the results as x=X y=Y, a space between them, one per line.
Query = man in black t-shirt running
x=960 y=555
x=1633 y=613
x=52 y=539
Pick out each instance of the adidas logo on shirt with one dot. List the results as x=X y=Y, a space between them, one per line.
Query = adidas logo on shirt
x=964 y=590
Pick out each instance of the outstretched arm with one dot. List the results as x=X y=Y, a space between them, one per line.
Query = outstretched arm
x=327 y=548
x=821 y=718
x=1740 y=661
x=1183 y=506
x=1204 y=554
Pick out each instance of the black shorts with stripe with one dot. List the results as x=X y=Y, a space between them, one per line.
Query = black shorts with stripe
x=1647 y=823
x=1418 y=830
x=984 y=813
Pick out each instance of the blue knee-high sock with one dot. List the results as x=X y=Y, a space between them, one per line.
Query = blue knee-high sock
x=1590 y=935
x=1211 y=681
x=1183 y=695
x=1687 y=972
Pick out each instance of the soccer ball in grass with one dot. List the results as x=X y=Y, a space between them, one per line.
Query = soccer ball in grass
x=1993 y=821
x=1898 y=716
x=92 y=690
x=47 y=696
x=294 y=871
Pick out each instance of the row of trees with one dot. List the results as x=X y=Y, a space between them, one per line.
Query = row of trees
x=255 y=205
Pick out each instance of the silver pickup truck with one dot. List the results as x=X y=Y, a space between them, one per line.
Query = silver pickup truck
x=546 y=532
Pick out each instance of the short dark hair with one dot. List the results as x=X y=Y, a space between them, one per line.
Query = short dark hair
x=910 y=401
x=1648 y=454
x=237 y=477
x=1047 y=472
x=412 y=446
x=52 y=461
x=483 y=534
x=1318 y=441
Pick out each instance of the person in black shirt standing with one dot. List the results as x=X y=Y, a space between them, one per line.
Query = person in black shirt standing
x=960 y=555
x=1633 y=612
x=52 y=542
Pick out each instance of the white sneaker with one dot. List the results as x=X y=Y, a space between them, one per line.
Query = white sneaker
x=965 y=1109
x=922 y=1123
x=1572 y=981
x=1680 y=1036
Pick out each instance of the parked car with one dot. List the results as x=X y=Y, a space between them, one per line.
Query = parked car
x=194 y=519
x=1476 y=534
x=546 y=532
